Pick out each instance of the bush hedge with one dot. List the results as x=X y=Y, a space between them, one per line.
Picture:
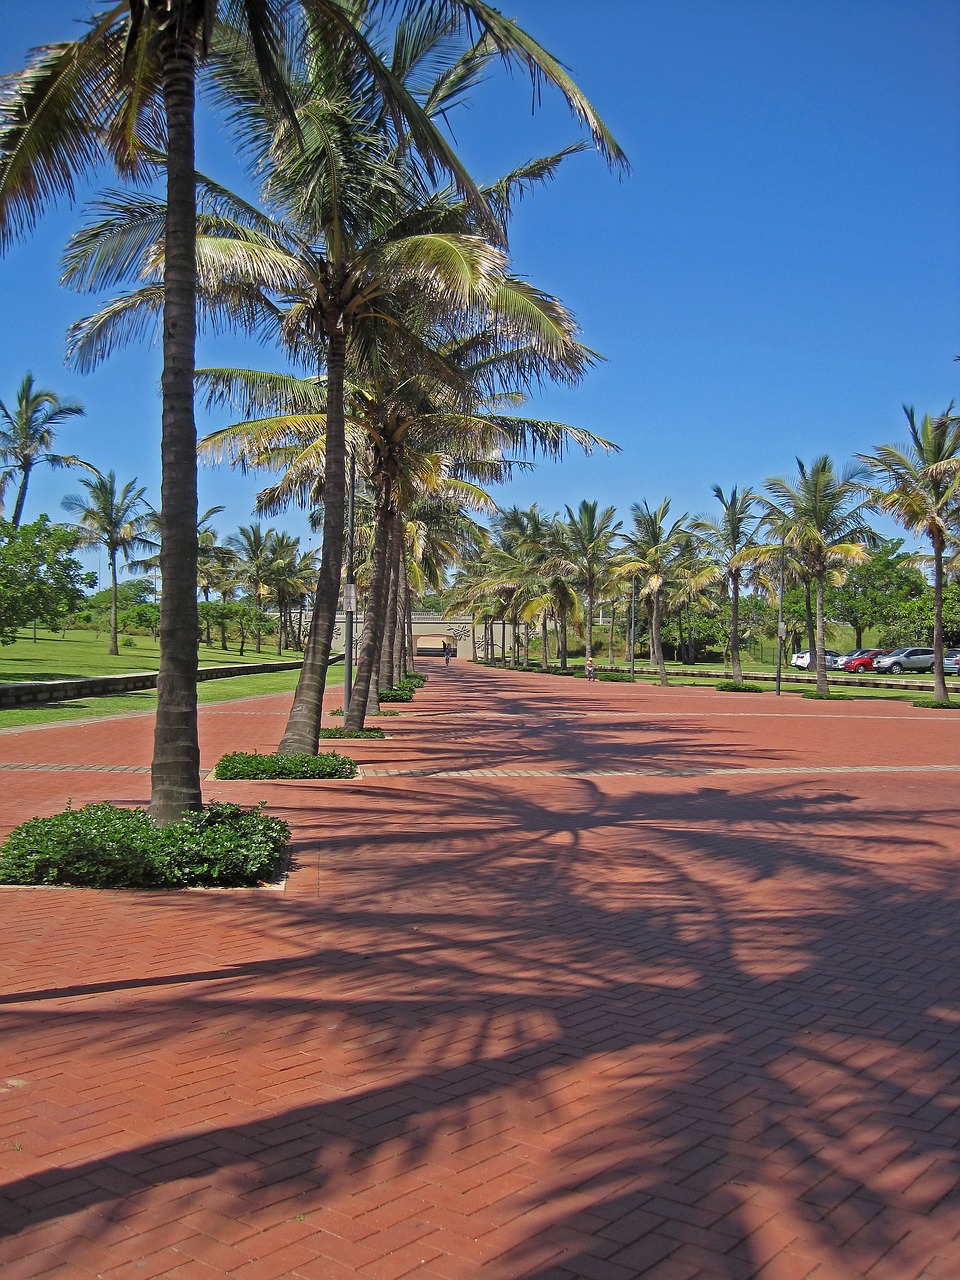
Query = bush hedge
x=399 y=693
x=251 y=764
x=931 y=704
x=103 y=847
x=340 y=732
x=739 y=686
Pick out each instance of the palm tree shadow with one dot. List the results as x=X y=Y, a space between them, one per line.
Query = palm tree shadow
x=754 y=1003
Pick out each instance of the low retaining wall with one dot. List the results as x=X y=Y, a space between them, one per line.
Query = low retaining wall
x=41 y=691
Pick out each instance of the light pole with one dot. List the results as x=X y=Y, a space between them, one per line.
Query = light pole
x=349 y=594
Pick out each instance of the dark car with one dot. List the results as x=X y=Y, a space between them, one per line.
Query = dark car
x=909 y=658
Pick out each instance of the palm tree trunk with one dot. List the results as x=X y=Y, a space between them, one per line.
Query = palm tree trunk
x=613 y=619
x=388 y=654
x=175 y=774
x=822 y=686
x=655 y=631
x=735 y=627
x=114 y=602
x=939 y=679
x=589 y=622
x=302 y=733
x=408 y=622
x=544 y=637
x=811 y=622
x=563 y=640
x=21 y=496
x=374 y=617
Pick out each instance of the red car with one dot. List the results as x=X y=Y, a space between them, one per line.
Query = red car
x=861 y=661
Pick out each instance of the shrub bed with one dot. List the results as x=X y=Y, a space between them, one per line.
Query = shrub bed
x=931 y=704
x=347 y=733
x=399 y=693
x=244 y=764
x=738 y=686
x=103 y=847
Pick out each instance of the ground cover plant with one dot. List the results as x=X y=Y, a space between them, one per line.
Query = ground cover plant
x=252 y=764
x=102 y=846
x=338 y=732
x=739 y=686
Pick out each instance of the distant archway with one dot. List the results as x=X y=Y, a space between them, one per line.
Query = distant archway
x=426 y=645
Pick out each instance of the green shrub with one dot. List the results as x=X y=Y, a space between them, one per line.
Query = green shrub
x=399 y=693
x=931 y=704
x=739 y=686
x=414 y=678
x=615 y=677
x=251 y=764
x=103 y=847
x=827 y=697
x=335 y=711
x=348 y=733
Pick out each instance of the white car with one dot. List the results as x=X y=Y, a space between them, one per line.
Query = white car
x=802 y=659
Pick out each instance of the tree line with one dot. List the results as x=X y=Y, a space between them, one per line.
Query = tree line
x=805 y=543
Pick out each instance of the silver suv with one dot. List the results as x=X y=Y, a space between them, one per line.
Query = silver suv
x=906 y=659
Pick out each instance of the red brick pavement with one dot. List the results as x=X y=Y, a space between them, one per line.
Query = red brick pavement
x=676 y=999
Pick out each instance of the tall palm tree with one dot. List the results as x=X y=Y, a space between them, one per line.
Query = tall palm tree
x=821 y=517
x=116 y=521
x=730 y=542
x=651 y=551
x=27 y=435
x=919 y=485
x=254 y=548
x=591 y=538
x=124 y=94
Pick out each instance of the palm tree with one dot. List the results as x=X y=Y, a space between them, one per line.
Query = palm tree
x=124 y=94
x=919 y=485
x=730 y=542
x=253 y=548
x=590 y=538
x=27 y=436
x=115 y=521
x=650 y=554
x=820 y=517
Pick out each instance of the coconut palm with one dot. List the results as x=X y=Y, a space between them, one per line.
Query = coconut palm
x=730 y=541
x=116 y=521
x=821 y=517
x=652 y=553
x=27 y=434
x=919 y=485
x=124 y=94
x=591 y=537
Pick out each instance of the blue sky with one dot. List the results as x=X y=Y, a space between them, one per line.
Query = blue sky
x=778 y=275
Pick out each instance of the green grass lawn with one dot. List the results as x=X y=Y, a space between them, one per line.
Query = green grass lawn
x=84 y=653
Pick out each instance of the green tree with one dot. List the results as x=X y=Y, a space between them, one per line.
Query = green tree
x=821 y=518
x=652 y=554
x=730 y=541
x=27 y=436
x=590 y=536
x=40 y=578
x=919 y=485
x=114 y=520
x=877 y=589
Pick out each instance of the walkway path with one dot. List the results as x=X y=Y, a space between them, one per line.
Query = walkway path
x=576 y=981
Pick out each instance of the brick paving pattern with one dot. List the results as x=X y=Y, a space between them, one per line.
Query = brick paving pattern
x=575 y=981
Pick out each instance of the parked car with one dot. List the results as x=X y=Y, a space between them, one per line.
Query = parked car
x=802 y=659
x=951 y=662
x=861 y=660
x=909 y=658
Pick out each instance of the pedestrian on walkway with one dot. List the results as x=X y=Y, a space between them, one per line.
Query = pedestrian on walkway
x=591 y=670
x=447 y=649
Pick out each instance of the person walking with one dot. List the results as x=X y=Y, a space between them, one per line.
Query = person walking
x=591 y=670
